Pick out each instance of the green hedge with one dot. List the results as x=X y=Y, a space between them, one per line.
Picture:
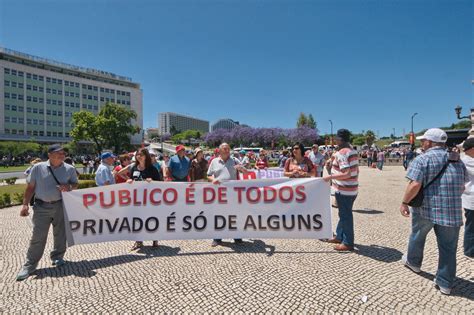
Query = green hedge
x=8 y=199
x=86 y=176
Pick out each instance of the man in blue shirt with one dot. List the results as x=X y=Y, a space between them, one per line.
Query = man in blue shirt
x=179 y=165
x=441 y=209
x=103 y=175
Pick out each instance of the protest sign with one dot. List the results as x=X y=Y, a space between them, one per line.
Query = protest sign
x=261 y=174
x=267 y=208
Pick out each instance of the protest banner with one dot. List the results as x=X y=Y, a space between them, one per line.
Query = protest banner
x=265 y=173
x=266 y=208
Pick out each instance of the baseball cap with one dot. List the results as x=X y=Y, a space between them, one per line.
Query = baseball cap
x=344 y=135
x=468 y=144
x=179 y=148
x=107 y=155
x=152 y=152
x=243 y=152
x=435 y=135
x=55 y=148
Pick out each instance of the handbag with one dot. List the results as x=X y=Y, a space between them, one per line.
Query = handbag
x=417 y=201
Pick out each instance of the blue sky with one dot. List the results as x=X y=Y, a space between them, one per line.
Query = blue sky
x=363 y=64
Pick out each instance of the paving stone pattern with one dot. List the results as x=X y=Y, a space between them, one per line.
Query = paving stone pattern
x=256 y=276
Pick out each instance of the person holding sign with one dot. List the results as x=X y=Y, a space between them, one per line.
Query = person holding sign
x=46 y=181
x=143 y=170
x=298 y=165
x=344 y=177
x=224 y=168
x=261 y=162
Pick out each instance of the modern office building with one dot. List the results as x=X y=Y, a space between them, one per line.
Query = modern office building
x=225 y=123
x=181 y=123
x=39 y=96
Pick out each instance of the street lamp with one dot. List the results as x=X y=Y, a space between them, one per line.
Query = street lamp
x=412 y=116
x=458 y=110
x=331 y=131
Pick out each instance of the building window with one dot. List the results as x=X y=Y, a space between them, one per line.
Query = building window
x=48 y=133
x=41 y=100
x=6 y=71
x=48 y=90
x=48 y=112
x=41 y=111
x=7 y=119
x=77 y=95
x=35 y=77
x=102 y=89
x=95 y=98
x=7 y=95
x=7 y=83
x=78 y=105
x=60 y=92
x=35 y=132
x=20 y=109
x=96 y=107
x=7 y=131
x=41 y=78
x=84 y=106
x=54 y=102
x=102 y=99
x=13 y=95
x=13 y=72
x=14 y=84
x=48 y=79
x=60 y=81
x=60 y=112
x=28 y=75
x=21 y=120
x=35 y=88
x=13 y=119
x=48 y=101
x=53 y=80
x=20 y=85
x=89 y=97
x=7 y=107
x=35 y=110
x=28 y=132
x=77 y=85
x=41 y=133
x=28 y=121
x=60 y=103
x=20 y=97
x=41 y=89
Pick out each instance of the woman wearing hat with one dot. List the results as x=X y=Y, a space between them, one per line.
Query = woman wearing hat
x=199 y=165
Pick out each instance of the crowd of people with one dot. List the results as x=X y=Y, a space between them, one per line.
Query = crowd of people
x=436 y=173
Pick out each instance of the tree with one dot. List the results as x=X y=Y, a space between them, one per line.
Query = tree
x=173 y=130
x=310 y=122
x=302 y=120
x=111 y=128
x=369 y=137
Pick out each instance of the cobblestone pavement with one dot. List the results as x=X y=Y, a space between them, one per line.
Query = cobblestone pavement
x=257 y=276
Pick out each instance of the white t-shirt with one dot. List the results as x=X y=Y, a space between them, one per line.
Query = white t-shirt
x=468 y=195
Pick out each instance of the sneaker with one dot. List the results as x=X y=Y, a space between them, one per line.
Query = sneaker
x=443 y=290
x=23 y=274
x=58 y=262
x=410 y=266
x=215 y=243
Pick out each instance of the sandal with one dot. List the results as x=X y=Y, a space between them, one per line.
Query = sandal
x=137 y=245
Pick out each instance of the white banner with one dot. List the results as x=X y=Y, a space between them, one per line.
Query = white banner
x=141 y=211
x=261 y=174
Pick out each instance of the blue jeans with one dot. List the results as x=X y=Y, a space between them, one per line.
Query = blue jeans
x=380 y=165
x=345 y=226
x=469 y=233
x=447 y=239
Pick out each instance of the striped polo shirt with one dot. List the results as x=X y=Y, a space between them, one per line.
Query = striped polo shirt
x=346 y=158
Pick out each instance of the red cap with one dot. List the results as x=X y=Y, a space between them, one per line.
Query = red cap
x=216 y=150
x=179 y=148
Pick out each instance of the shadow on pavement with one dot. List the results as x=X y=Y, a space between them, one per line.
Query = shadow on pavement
x=368 y=211
x=461 y=287
x=380 y=253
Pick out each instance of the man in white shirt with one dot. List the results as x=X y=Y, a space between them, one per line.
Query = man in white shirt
x=318 y=160
x=468 y=198
x=103 y=175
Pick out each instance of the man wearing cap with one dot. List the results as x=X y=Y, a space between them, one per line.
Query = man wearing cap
x=441 y=209
x=345 y=182
x=468 y=198
x=318 y=160
x=179 y=166
x=46 y=181
x=103 y=175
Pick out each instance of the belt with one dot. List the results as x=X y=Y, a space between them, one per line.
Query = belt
x=49 y=202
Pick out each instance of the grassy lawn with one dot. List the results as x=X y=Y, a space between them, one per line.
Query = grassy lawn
x=10 y=189
x=13 y=168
